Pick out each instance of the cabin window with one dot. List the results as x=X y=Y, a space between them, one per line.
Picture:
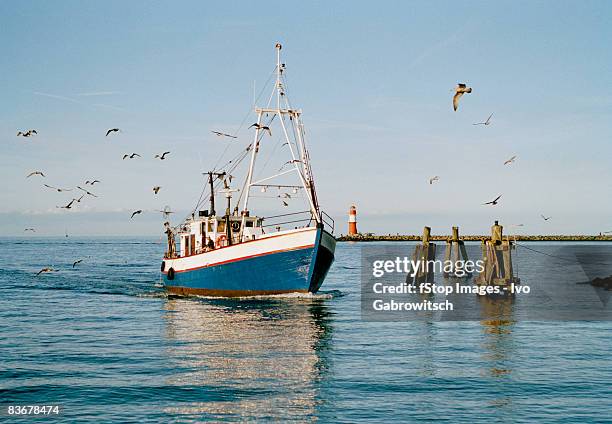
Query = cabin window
x=220 y=226
x=203 y=229
x=210 y=227
x=249 y=224
x=186 y=244
x=192 y=244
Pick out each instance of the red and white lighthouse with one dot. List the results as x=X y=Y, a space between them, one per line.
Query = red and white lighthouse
x=352 y=221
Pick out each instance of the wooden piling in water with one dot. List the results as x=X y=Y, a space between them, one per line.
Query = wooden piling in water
x=424 y=252
x=497 y=258
x=455 y=252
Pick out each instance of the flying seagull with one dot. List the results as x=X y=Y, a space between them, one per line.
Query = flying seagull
x=166 y=212
x=59 y=190
x=92 y=182
x=30 y=229
x=27 y=133
x=493 y=202
x=35 y=173
x=68 y=206
x=511 y=160
x=285 y=203
x=79 y=199
x=545 y=218
x=132 y=156
x=222 y=134
x=287 y=195
x=432 y=179
x=88 y=192
x=162 y=156
x=111 y=131
x=77 y=262
x=139 y=211
x=156 y=189
x=288 y=162
x=459 y=91
x=487 y=122
x=262 y=127
x=46 y=269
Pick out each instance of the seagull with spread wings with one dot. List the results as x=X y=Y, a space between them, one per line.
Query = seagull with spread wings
x=162 y=156
x=87 y=192
x=139 y=211
x=493 y=202
x=262 y=127
x=511 y=160
x=156 y=189
x=68 y=206
x=31 y=174
x=460 y=90
x=59 y=190
x=433 y=179
x=46 y=269
x=30 y=229
x=27 y=133
x=132 y=156
x=289 y=162
x=487 y=122
x=112 y=130
x=545 y=218
x=222 y=134
x=92 y=182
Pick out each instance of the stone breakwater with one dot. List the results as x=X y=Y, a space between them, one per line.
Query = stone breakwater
x=397 y=237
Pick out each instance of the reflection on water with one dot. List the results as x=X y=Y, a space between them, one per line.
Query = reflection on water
x=265 y=355
x=497 y=314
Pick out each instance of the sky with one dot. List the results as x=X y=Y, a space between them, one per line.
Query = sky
x=374 y=80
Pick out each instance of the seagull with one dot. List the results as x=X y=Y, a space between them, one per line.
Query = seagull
x=493 y=202
x=77 y=262
x=262 y=127
x=35 y=173
x=285 y=203
x=92 y=182
x=59 y=190
x=139 y=211
x=79 y=199
x=509 y=161
x=111 y=130
x=287 y=195
x=288 y=162
x=131 y=156
x=46 y=269
x=27 y=133
x=487 y=122
x=222 y=134
x=156 y=189
x=68 y=206
x=166 y=212
x=87 y=192
x=162 y=156
x=30 y=229
x=459 y=90
x=432 y=179
x=545 y=218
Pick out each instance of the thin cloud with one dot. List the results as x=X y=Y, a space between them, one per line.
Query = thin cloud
x=57 y=97
x=98 y=93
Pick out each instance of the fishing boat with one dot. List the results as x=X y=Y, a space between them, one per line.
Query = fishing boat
x=237 y=253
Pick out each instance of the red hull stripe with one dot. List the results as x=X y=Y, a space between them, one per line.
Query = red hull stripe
x=243 y=258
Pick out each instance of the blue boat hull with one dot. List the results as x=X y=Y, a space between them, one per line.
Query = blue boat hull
x=297 y=270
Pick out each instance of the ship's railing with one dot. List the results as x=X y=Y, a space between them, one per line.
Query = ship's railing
x=328 y=220
x=296 y=219
x=304 y=218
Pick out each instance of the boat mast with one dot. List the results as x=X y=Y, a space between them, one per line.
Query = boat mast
x=301 y=165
